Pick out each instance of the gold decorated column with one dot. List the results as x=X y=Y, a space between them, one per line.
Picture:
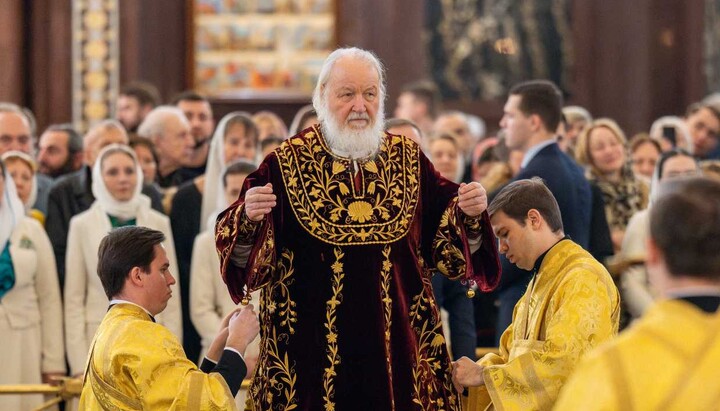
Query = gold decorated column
x=96 y=64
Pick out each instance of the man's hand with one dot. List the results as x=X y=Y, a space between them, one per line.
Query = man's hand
x=259 y=201
x=466 y=373
x=472 y=199
x=243 y=328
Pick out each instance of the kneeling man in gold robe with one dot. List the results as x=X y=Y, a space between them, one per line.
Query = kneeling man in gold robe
x=570 y=306
x=668 y=359
x=137 y=364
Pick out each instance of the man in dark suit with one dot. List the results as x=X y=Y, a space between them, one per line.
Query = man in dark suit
x=531 y=116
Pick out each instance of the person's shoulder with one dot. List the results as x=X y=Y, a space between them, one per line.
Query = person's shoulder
x=580 y=265
x=30 y=226
x=67 y=182
x=81 y=218
x=186 y=189
x=156 y=218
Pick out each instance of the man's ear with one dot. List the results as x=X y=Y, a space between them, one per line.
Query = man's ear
x=534 y=219
x=535 y=122
x=137 y=277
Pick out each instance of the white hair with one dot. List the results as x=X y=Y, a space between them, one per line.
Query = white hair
x=6 y=107
x=320 y=92
x=575 y=113
x=154 y=123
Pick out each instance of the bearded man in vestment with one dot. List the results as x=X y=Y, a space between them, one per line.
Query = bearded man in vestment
x=571 y=305
x=668 y=359
x=341 y=228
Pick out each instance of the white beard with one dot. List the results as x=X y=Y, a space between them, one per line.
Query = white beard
x=348 y=142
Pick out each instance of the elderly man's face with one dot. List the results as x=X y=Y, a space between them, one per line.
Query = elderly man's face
x=353 y=93
x=14 y=133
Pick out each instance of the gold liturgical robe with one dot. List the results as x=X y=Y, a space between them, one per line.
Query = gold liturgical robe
x=136 y=364
x=668 y=360
x=570 y=306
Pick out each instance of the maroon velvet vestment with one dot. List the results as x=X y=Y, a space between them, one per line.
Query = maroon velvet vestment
x=347 y=314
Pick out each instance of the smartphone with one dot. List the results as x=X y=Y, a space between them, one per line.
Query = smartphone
x=668 y=132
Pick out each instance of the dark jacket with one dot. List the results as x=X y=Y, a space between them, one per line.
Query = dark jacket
x=567 y=182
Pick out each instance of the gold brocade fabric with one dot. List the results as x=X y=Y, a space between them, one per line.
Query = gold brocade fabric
x=335 y=207
x=668 y=360
x=136 y=364
x=571 y=306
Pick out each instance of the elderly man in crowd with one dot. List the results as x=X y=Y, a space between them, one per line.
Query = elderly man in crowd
x=168 y=128
x=16 y=135
x=341 y=227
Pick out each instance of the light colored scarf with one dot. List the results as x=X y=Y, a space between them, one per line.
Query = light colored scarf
x=11 y=210
x=125 y=210
x=212 y=192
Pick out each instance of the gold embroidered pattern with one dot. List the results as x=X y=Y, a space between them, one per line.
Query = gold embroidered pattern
x=263 y=266
x=327 y=203
x=387 y=305
x=332 y=336
x=449 y=257
x=273 y=386
x=428 y=353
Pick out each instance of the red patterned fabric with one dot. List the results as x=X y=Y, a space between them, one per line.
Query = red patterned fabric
x=348 y=318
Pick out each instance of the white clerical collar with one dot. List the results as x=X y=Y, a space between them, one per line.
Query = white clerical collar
x=119 y=301
x=532 y=151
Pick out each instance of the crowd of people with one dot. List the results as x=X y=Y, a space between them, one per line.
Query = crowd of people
x=175 y=170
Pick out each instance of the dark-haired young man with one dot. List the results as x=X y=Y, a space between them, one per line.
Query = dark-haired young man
x=532 y=114
x=669 y=359
x=570 y=306
x=138 y=364
x=135 y=101
x=198 y=111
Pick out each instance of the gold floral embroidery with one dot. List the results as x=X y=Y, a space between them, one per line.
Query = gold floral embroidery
x=449 y=257
x=387 y=305
x=273 y=385
x=429 y=352
x=329 y=206
x=360 y=211
x=332 y=336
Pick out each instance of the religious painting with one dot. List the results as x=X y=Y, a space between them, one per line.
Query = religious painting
x=260 y=46
x=480 y=48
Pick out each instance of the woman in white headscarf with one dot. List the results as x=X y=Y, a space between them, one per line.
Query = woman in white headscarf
x=235 y=137
x=634 y=287
x=31 y=346
x=116 y=184
x=209 y=298
x=23 y=170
